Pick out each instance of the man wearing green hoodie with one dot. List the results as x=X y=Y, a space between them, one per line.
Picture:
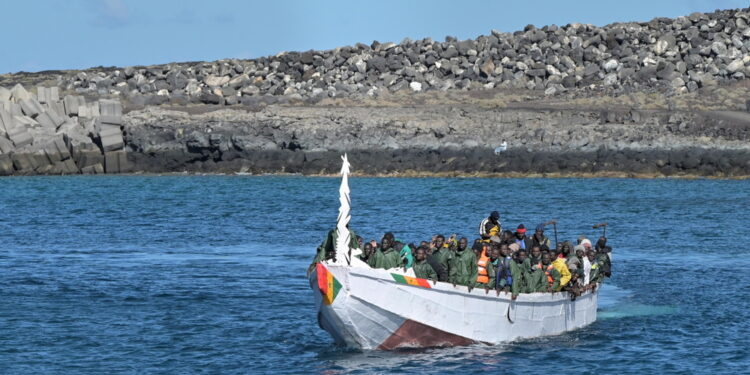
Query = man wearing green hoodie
x=327 y=248
x=443 y=254
x=386 y=256
x=463 y=266
x=422 y=269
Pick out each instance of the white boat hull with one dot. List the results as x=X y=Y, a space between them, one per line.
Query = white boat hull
x=375 y=309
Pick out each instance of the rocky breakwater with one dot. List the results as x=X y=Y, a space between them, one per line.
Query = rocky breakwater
x=438 y=140
x=41 y=134
x=679 y=55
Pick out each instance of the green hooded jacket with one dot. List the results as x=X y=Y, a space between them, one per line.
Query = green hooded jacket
x=423 y=270
x=386 y=259
x=463 y=268
x=328 y=247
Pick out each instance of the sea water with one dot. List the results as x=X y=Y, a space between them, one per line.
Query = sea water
x=206 y=274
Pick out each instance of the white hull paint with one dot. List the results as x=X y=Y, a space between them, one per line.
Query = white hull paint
x=374 y=311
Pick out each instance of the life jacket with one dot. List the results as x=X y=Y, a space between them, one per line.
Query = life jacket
x=550 y=279
x=494 y=230
x=482 y=275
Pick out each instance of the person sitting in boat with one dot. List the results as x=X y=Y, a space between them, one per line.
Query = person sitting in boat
x=386 y=256
x=535 y=255
x=575 y=287
x=490 y=227
x=521 y=240
x=561 y=266
x=573 y=258
x=602 y=249
x=422 y=269
x=485 y=271
x=538 y=238
x=404 y=253
x=503 y=278
x=462 y=269
x=520 y=270
x=327 y=249
x=553 y=277
x=596 y=275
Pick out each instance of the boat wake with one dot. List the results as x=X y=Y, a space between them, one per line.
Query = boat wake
x=616 y=303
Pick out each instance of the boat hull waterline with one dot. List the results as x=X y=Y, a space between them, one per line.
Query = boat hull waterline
x=370 y=308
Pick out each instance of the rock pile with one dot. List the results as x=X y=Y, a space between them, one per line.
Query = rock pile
x=41 y=134
x=678 y=55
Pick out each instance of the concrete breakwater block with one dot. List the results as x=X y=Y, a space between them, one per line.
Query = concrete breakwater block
x=19 y=93
x=6 y=165
x=4 y=94
x=116 y=162
x=23 y=161
x=56 y=150
x=45 y=120
x=47 y=94
x=110 y=108
x=31 y=107
x=6 y=146
x=93 y=169
x=20 y=137
x=72 y=103
x=6 y=121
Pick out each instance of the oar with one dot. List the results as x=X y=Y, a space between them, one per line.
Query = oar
x=554 y=225
x=601 y=225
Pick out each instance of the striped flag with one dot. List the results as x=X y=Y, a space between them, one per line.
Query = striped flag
x=402 y=279
x=327 y=284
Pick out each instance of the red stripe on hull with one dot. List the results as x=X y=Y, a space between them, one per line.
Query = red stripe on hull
x=412 y=334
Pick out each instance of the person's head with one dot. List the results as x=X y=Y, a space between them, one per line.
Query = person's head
x=591 y=255
x=368 y=249
x=520 y=231
x=506 y=236
x=546 y=259
x=586 y=244
x=462 y=243
x=539 y=231
x=521 y=256
x=360 y=241
x=580 y=252
x=424 y=243
x=494 y=217
x=390 y=236
x=439 y=241
x=495 y=253
x=566 y=248
x=421 y=253
x=559 y=246
x=486 y=248
x=504 y=250
x=536 y=251
x=601 y=243
x=386 y=242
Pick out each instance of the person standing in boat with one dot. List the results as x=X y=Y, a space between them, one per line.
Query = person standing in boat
x=485 y=271
x=504 y=278
x=463 y=266
x=539 y=239
x=520 y=270
x=490 y=226
x=442 y=255
x=386 y=256
x=552 y=274
x=521 y=240
x=562 y=267
x=327 y=249
x=422 y=269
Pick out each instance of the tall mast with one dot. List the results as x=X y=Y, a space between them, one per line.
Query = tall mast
x=342 y=229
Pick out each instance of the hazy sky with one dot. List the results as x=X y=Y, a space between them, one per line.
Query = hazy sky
x=74 y=34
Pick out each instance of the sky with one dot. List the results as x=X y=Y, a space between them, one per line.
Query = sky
x=78 y=34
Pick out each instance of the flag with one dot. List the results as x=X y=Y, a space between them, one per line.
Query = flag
x=328 y=285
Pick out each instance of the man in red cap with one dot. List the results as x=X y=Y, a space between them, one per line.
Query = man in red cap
x=521 y=239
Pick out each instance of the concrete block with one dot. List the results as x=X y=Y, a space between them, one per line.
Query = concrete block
x=57 y=150
x=108 y=129
x=67 y=167
x=58 y=107
x=116 y=162
x=20 y=137
x=6 y=165
x=112 y=142
x=47 y=94
x=19 y=93
x=15 y=109
x=6 y=121
x=56 y=118
x=6 y=146
x=4 y=94
x=110 y=107
x=112 y=120
x=72 y=103
x=25 y=121
x=31 y=108
x=45 y=120
x=22 y=161
x=88 y=158
x=93 y=169
x=89 y=110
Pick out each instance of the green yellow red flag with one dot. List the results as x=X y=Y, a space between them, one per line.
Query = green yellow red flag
x=327 y=284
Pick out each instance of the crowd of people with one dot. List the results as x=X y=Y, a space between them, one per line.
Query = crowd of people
x=499 y=260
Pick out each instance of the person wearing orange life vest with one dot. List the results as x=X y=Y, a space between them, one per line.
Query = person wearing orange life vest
x=485 y=270
x=553 y=276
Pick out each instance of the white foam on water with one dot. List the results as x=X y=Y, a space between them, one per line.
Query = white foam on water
x=614 y=303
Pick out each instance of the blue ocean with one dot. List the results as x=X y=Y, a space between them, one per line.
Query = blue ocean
x=206 y=274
